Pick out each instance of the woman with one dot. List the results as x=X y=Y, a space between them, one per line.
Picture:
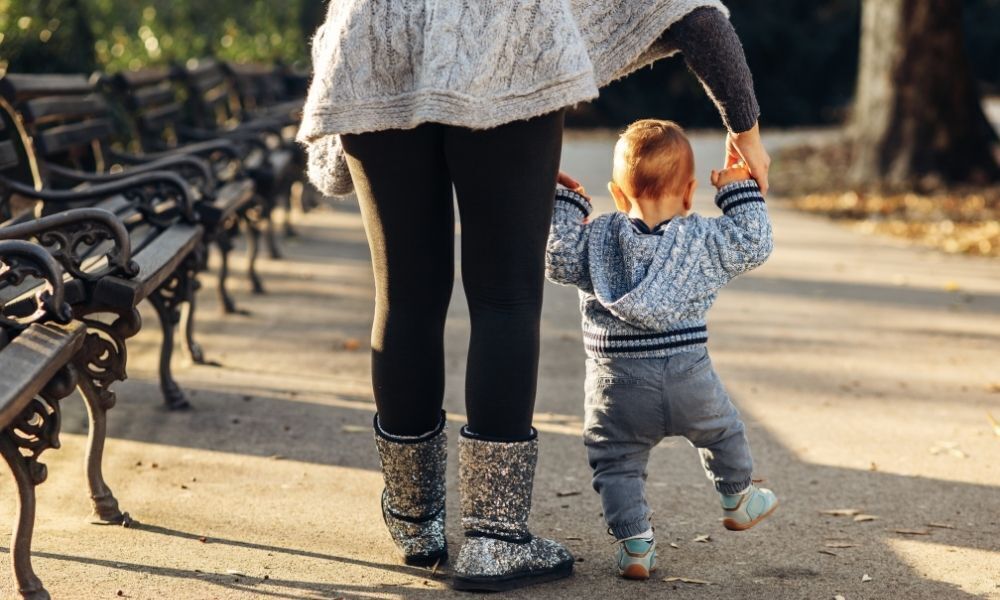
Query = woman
x=415 y=97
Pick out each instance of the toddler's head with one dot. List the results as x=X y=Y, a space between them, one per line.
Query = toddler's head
x=653 y=176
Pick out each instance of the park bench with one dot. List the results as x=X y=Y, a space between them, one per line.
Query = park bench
x=37 y=370
x=264 y=93
x=193 y=105
x=277 y=94
x=152 y=213
x=73 y=130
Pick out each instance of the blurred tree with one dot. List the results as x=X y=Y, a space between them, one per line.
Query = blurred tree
x=917 y=118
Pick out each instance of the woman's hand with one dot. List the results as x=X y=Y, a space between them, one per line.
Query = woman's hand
x=747 y=147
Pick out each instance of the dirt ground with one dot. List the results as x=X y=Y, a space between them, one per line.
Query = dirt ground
x=864 y=367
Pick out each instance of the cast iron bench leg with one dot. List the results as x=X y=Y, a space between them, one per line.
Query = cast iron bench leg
x=167 y=300
x=187 y=314
x=253 y=250
x=270 y=233
x=106 y=510
x=225 y=245
x=37 y=430
x=100 y=364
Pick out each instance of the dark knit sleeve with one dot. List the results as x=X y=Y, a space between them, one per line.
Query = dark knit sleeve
x=714 y=54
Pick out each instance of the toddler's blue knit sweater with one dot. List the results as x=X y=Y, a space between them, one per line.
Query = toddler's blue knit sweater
x=645 y=293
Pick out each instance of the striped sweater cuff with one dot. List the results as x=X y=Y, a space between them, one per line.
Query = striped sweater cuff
x=737 y=194
x=569 y=198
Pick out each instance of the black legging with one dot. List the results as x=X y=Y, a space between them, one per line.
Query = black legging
x=504 y=179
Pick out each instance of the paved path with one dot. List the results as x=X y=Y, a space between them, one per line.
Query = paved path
x=862 y=365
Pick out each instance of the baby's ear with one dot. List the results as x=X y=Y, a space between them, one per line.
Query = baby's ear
x=621 y=200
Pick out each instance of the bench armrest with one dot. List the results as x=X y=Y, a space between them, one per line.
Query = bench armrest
x=20 y=260
x=140 y=189
x=205 y=149
x=62 y=235
x=196 y=171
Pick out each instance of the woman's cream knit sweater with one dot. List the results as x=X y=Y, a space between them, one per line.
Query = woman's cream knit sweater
x=393 y=64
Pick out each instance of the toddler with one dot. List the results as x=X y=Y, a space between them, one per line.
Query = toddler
x=647 y=275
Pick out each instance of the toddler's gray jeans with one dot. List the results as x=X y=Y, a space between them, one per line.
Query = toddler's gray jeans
x=633 y=403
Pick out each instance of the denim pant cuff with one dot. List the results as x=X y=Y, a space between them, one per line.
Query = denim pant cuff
x=629 y=528
x=732 y=488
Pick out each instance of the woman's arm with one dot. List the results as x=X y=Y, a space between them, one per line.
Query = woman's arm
x=714 y=54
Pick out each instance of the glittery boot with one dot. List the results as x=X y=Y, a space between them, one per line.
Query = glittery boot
x=499 y=552
x=413 y=499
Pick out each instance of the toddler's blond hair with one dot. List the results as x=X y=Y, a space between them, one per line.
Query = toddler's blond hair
x=653 y=158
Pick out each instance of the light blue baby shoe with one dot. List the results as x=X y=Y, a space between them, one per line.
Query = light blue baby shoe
x=743 y=511
x=636 y=558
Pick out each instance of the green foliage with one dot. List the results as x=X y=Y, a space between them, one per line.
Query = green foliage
x=83 y=35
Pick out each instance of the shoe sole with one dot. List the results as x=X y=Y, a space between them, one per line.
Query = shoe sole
x=426 y=560
x=509 y=582
x=733 y=525
x=635 y=573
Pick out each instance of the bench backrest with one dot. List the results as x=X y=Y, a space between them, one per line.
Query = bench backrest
x=258 y=86
x=212 y=98
x=69 y=122
x=154 y=100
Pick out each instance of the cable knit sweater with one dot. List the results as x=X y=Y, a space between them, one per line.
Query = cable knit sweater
x=645 y=294
x=393 y=64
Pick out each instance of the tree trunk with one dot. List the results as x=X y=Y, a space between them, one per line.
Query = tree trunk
x=917 y=120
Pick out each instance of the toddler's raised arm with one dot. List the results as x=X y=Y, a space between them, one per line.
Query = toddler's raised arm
x=740 y=240
x=566 y=254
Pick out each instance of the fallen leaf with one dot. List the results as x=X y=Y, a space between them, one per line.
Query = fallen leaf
x=864 y=518
x=952 y=286
x=949 y=448
x=993 y=421
x=912 y=531
x=841 y=512
x=704 y=539
x=687 y=580
x=866 y=578
x=352 y=344
x=840 y=545
x=828 y=552
x=355 y=429
x=674 y=546
x=941 y=525
x=568 y=494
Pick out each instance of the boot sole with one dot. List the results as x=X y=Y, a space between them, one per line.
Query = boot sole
x=426 y=560
x=733 y=525
x=505 y=583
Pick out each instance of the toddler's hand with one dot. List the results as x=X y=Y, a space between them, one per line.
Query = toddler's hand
x=737 y=172
x=568 y=182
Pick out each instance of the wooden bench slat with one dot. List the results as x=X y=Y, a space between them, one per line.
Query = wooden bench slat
x=152 y=96
x=143 y=77
x=157 y=118
x=30 y=360
x=17 y=87
x=156 y=262
x=50 y=108
x=62 y=138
